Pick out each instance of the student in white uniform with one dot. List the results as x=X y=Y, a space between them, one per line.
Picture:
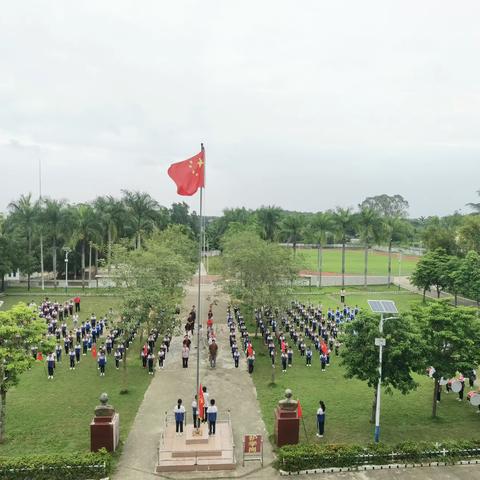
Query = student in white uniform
x=179 y=412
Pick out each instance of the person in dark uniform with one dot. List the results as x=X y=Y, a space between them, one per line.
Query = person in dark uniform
x=102 y=361
x=212 y=412
x=50 y=365
x=58 y=352
x=117 y=356
x=72 y=359
x=179 y=412
x=78 y=351
x=150 y=362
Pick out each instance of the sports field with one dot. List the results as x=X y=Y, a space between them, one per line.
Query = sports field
x=349 y=401
x=355 y=261
x=332 y=262
x=46 y=416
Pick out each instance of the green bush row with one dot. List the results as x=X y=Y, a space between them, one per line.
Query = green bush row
x=293 y=458
x=76 y=466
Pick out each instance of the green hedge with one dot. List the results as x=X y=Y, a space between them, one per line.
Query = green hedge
x=76 y=466
x=293 y=458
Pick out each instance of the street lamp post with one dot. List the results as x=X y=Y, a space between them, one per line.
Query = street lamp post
x=381 y=307
x=67 y=250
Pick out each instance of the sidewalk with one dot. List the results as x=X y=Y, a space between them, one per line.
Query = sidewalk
x=232 y=389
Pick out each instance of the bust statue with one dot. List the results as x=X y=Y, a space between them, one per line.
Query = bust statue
x=288 y=403
x=104 y=410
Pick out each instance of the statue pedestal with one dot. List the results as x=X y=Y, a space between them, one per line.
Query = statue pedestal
x=287 y=426
x=105 y=433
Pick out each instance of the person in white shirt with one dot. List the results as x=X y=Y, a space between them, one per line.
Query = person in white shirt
x=179 y=412
x=195 y=413
x=212 y=417
x=321 y=419
x=205 y=402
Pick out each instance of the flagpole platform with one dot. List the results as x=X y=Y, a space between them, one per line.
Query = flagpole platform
x=196 y=452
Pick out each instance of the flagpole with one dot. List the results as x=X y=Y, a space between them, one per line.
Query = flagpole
x=199 y=318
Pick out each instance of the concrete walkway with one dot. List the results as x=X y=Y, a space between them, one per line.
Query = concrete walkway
x=232 y=389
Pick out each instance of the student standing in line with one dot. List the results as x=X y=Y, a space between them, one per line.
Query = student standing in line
x=50 y=365
x=179 y=412
x=236 y=357
x=161 y=357
x=205 y=402
x=321 y=419
x=185 y=355
x=72 y=359
x=150 y=361
x=102 y=361
x=212 y=417
x=195 y=413
x=117 y=356
x=251 y=362
x=309 y=354
x=284 y=358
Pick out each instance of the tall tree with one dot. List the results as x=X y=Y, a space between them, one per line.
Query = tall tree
x=322 y=225
x=7 y=253
x=431 y=270
x=343 y=223
x=440 y=233
x=370 y=228
x=111 y=213
x=401 y=355
x=469 y=234
x=468 y=276
x=387 y=205
x=269 y=219
x=142 y=213
x=23 y=217
x=19 y=330
x=86 y=229
x=55 y=219
x=292 y=226
x=449 y=340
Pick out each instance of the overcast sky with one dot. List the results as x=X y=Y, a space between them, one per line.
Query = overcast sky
x=301 y=104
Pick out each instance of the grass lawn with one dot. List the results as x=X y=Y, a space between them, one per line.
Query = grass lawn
x=45 y=416
x=349 y=401
x=332 y=262
x=355 y=261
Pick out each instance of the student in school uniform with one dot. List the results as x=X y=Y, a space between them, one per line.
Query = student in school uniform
x=251 y=362
x=58 y=352
x=284 y=358
x=185 y=355
x=205 y=400
x=102 y=361
x=78 y=351
x=150 y=362
x=50 y=365
x=179 y=412
x=308 y=356
x=323 y=361
x=236 y=357
x=72 y=359
x=161 y=358
x=290 y=356
x=212 y=412
x=196 y=420
x=117 y=356
x=321 y=419
x=143 y=356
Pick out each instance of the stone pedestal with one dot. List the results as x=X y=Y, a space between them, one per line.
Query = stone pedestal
x=105 y=433
x=287 y=427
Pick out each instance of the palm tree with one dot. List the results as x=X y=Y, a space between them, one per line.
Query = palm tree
x=396 y=229
x=370 y=228
x=111 y=213
x=268 y=218
x=85 y=229
x=475 y=206
x=141 y=211
x=55 y=220
x=292 y=226
x=23 y=217
x=322 y=224
x=343 y=221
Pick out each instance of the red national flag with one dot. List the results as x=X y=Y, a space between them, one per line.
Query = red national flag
x=94 y=351
x=324 y=347
x=201 y=403
x=189 y=175
x=299 y=410
x=39 y=356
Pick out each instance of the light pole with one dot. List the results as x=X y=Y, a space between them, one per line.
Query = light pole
x=381 y=307
x=67 y=250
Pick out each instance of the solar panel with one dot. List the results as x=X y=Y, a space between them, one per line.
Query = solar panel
x=382 y=306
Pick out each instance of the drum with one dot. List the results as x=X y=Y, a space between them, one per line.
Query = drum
x=443 y=381
x=456 y=386
x=475 y=400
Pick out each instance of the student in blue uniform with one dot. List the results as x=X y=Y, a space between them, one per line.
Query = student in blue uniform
x=309 y=354
x=50 y=365
x=212 y=417
x=321 y=419
x=78 y=351
x=72 y=359
x=179 y=412
x=150 y=361
x=323 y=361
x=102 y=361
x=284 y=358
x=236 y=357
x=290 y=356
x=161 y=357
x=85 y=345
x=58 y=352
x=117 y=356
